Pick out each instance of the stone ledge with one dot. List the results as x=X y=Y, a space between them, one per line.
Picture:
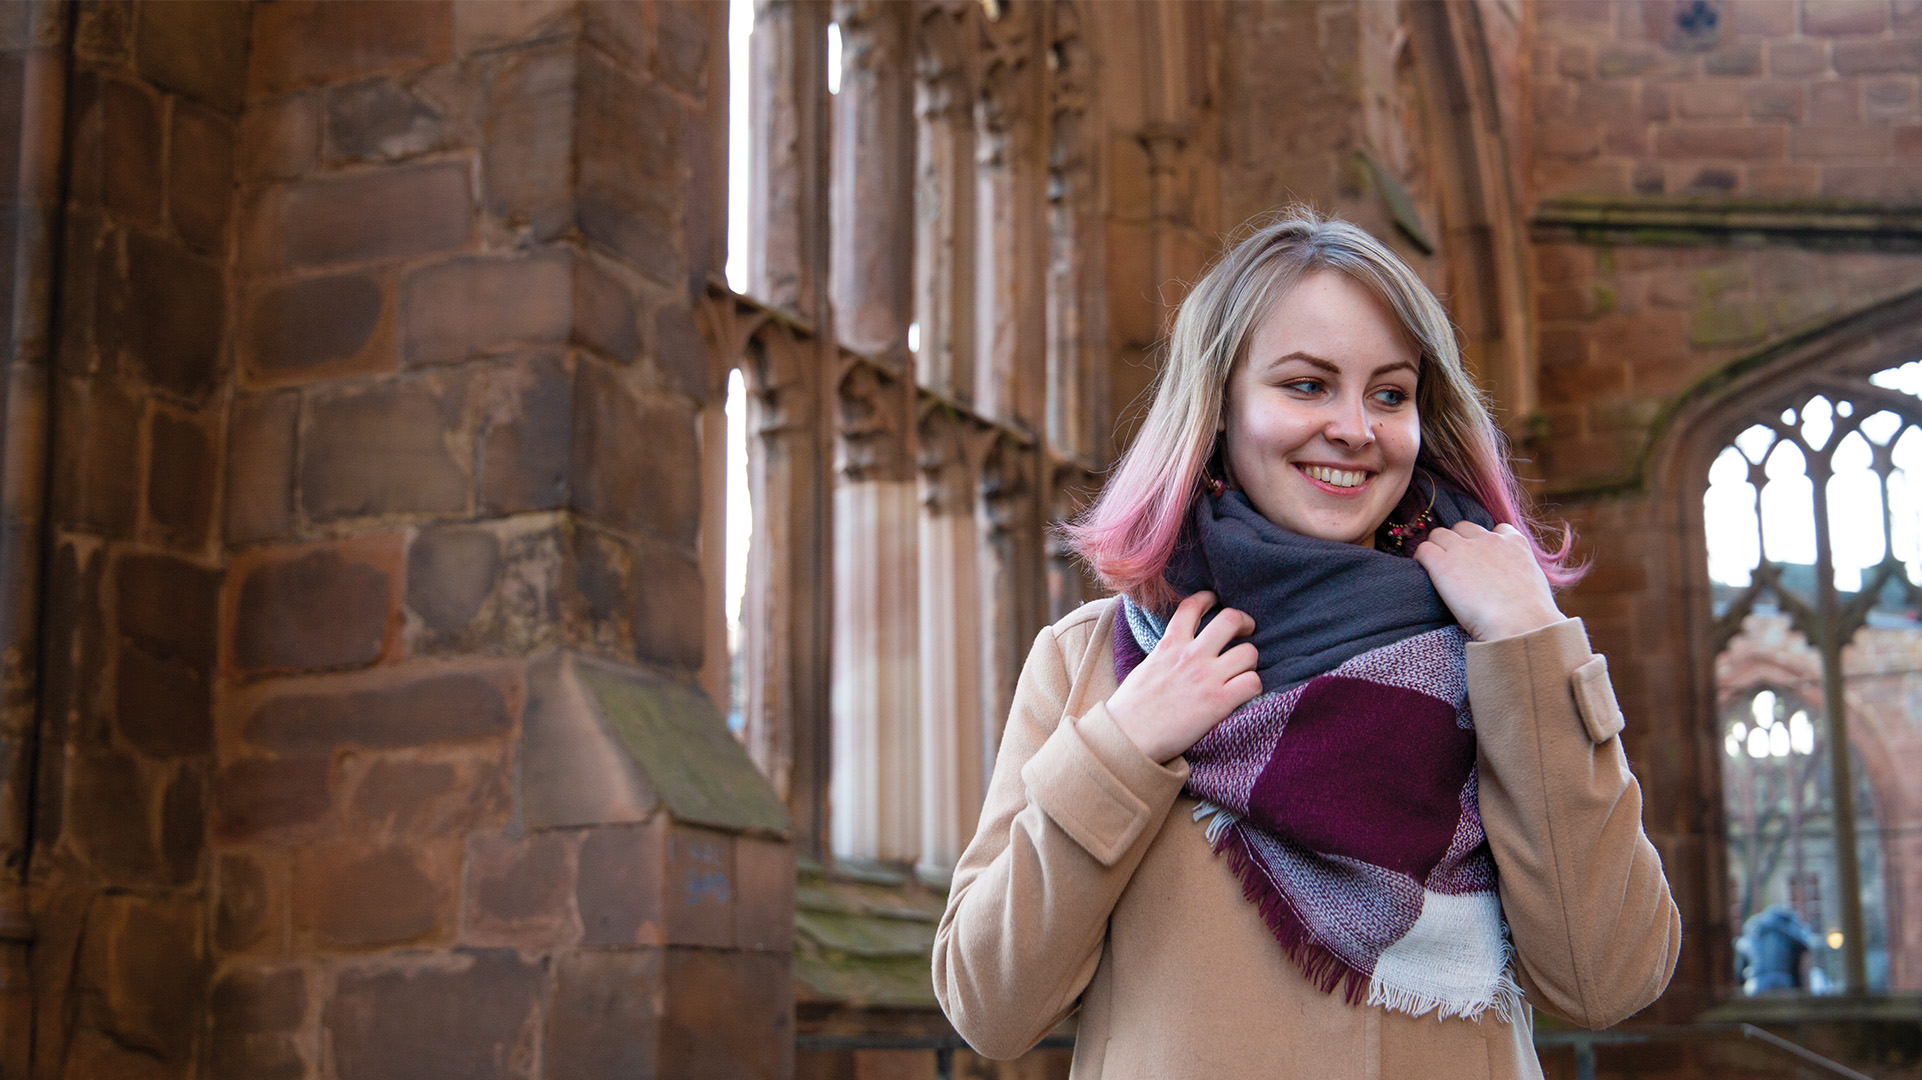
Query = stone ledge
x=604 y=744
x=1824 y=224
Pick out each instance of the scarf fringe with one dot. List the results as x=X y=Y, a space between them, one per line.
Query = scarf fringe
x=1325 y=970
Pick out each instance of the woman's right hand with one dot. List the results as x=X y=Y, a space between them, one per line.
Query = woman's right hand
x=1188 y=684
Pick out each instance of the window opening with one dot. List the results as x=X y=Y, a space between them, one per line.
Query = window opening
x=1813 y=518
x=740 y=28
x=740 y=533
x=834 y=58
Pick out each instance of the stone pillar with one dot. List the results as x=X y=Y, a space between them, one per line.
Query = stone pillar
x=788 y=113
x=876 y=738
x=1077 y=353
x=873 y=212
x=955 y=767
x=944 y=199
x=1013 y=587
x=1011 y=223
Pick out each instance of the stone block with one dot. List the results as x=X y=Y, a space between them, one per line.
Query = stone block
x=622 y=871
x=728 y=1014
x=180 y=479
x=519 y=891
x=528 y=142
x=604 y=313
x=683 y=43
x=255 y=1000
x=635 y=463
x=1889 y=98
x=385 y=448
x=176 y=308
x=387 y=709
x=163 y=708
x=764 y=894
x=345 y=894
x=1824 y=141
x=245 y=906
x=398 y=797
x=1760 y=18
x=526 y=437
x=1838 y=18
x=130 y=164
x=1837 y=101
x=232 y=1056
x=280 y=139
x=631 y=162
x=1776 y=99
x=256 y=795
x=305 y=43
x=378 y=120
x=479 y=27
x=319 y=607
x=1711 y=99
x=604 y=1020
x=1737 y=58
x=1890 y=56
x=260 y=467
x=197 y=48
x=1783 y=180
x=183 y=825
x=479 y=306
x=681 y=356
x=601 y=588
x=698 y=889
x=111 y=810
x=200 y=177
x=475 y=1018
x=667 y=585
x=451 y=572
x=102 y=31
x=143 y=973
x=1907 y=139
x=1890 y=182
x=1695 y=141
x=1798 y=59
x=327 y=325
x=167 y=605
x=394 y=212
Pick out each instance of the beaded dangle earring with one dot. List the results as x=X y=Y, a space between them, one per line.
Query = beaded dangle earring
x=1403 y=537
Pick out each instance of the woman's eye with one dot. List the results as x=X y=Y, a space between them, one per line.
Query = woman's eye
x=1391 y=396
x=1303 y=386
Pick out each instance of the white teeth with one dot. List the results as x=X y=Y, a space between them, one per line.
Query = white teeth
x=1337 y=477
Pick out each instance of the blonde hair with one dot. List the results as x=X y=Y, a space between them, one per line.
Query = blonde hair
x=1130 y=532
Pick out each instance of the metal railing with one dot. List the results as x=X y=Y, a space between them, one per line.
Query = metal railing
x=1584 y=1043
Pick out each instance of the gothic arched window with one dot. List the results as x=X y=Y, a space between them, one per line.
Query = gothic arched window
x=1813 y=521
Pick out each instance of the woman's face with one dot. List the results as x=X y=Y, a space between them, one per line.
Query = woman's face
x=1320 y=430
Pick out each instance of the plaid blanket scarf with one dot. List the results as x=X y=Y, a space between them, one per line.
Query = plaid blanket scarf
x=1344 y=796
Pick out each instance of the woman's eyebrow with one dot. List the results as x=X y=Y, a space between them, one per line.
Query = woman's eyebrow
x=1334 y=368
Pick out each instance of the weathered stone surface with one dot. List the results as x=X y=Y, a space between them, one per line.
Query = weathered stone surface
x=176 y=305
x=387 y=213
x=347 y=895
x=183 y=826
x=681 y=47
x=306 y=43
x=378 y=120
x=253 y=1010
x=603 y=587
x=436 y=708
x=145 y=968
x=728 y=1014
x=476 y=306
x=623 y=478
x=280 y=139
x=394 y=797
x=163 y=707
x=527 y=437
x=528 y=142
x=325 y=608
x=130 y=131
x=94 y=489
x=260 y=467
x=167 y=605
x=325 y=323
x=604 y=312
x=451 y=572
x=667 y=585
x=111 y=821
x=680 y=353
x=200 y=178
x=253 y=795
x=519 y=891
x=254 y=1057
x=384 y=449
x=475 y=1019
x=632 y=200
x=490 y=26
x=244 y=910
x=764 y=894
x=180 y=479
x=622 y=876
x=698 y=892
x=197 y=48
x=604 y=1021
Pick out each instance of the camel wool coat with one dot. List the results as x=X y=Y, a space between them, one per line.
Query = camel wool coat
x=1088 y=886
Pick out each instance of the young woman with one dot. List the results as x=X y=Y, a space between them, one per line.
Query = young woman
x=1332 y=789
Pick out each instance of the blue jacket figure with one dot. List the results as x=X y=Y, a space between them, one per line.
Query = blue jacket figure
x=1768 y=955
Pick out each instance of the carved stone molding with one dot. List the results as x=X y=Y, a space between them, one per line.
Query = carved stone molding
x=950 y=451
x=944 y=59
x=871 y=424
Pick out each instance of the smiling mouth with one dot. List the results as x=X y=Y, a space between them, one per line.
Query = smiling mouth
x=1336 y=478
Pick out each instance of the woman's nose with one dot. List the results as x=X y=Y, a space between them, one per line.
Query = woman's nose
x=1348 y=425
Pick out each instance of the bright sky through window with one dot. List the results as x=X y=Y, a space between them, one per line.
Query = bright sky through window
x=740 y=24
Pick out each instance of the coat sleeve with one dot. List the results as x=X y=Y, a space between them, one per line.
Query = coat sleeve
x=1595 y=931
x=1071 y=809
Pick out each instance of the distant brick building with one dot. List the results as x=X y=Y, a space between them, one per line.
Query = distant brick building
x=362 y=469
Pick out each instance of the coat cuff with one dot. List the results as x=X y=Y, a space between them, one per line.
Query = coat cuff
x=1092 y=780
x=1561 y=651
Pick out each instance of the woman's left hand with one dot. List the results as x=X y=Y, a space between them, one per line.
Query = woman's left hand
x=1490 y=580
